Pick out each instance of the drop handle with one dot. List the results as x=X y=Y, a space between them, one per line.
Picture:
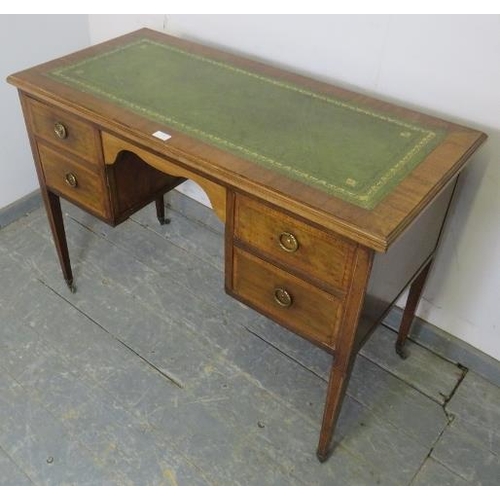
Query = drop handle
x=282 y=297
x=60 y=130
x=288 y=242
x=71 y=180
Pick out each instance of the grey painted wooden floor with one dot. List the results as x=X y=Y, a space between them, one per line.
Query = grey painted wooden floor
x=150 y=374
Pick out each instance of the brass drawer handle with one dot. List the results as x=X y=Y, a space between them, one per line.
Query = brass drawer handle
x=288 y=242
x=282 y=297
x=71 y=180
x=60 y=130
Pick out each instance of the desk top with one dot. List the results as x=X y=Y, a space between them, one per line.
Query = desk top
x=355 y=164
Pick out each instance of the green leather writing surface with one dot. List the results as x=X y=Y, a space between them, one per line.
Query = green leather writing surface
x=355 y=153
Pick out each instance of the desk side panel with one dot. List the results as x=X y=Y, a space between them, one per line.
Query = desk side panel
x=393 y=271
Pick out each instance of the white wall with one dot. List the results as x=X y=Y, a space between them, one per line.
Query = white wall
x=26 y=40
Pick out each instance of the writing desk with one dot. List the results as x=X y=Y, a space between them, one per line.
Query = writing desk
x=333 y=202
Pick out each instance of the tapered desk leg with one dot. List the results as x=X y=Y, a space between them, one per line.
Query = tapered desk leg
x=337 y=386
x=414 y=295
x=54 y=214
x=160 y=211
x=345 y=353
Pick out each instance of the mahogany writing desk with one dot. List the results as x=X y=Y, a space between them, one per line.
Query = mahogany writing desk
x=333 y=202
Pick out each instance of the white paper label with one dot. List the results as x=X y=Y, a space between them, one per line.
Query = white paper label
x=162 y=135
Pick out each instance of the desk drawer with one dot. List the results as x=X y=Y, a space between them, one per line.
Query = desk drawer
x=65 y=130
x=75 y=181
x=286 y=299
x=293 y=243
